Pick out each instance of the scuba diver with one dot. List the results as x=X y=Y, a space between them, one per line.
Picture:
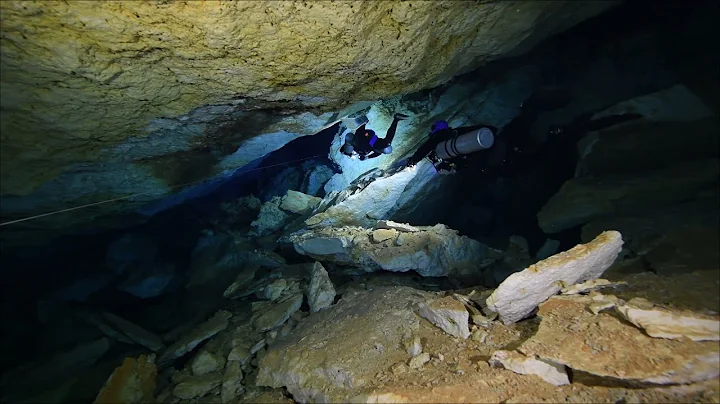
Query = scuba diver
x=448 y=148
x=367 y=145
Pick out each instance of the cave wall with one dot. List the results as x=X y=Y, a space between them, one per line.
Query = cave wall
x=105 y=99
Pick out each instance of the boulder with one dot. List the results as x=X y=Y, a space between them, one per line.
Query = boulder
x=315 y=179
x=206 y=362
x=131 y=252
x=320 y=290
x=133 y=382
x=449 y=314
x=334 y=352
x=402 y=227
x=581 y=200
x=151 y=282
x=299 y=203
x=431 y=251
x=270 y=219
x=521 y=292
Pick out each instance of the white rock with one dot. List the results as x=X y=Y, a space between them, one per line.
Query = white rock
x=297 y=202
x=432 y=251
x=522 y=292
x=550 y=372
x=274 y=290
x=380 y=235
x=188 y=342
x=662 y=323
x=205 y=362
x=448 y=314
x=320 y=292
x=403 y=227
x=418 y=361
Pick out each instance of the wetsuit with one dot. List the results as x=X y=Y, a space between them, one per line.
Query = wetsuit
x=367 y=144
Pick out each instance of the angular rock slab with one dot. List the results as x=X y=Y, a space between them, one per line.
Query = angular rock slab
x=550 y=372
x=431 y=251
x=335 y=351
x=521 y=292
x=276 y=315
x=606 y=346
x=448 y=314
x=187 y=343
x=661 y=323
x=320 y=291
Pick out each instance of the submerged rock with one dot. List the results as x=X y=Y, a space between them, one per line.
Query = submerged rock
x=663 y=323
x=188 y=342
x=605 y=346
x=133 y=382
x=278 y=313
x=206 y=362
x=320 y=290
x=270 y=219
x=135 y=332
x=449 y=314
x=334 y=352
x=232 y=382
x=299 y=203
x=552 y=373
x=521 y=292
x=431 y=251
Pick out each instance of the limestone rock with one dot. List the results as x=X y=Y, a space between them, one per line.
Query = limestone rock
x=299 y=203
x=521 y=292
x=402 y=227
x=135 y=332
x=206 y=362
x=419 y=361
x=380 y=235
x=197 y=386
x=448 y=314
x=608 y=347
x=232 y=382
x=132 y=382
x=274 y=290
x=241 y=286
x=320 y=292
x=432 y=251
x=552 y=373
x=278 y=313
x=217 y=323
x=270 y=219
x=663 y=323
x=333 y=352
x=581 y=200
x=315 y=179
